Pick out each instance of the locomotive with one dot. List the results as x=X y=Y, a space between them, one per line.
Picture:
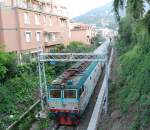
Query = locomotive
x=69 y=94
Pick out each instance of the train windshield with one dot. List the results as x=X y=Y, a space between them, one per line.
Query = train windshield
x=70 y=93
x=55 y=94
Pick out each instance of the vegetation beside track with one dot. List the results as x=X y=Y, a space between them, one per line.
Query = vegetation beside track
x=19 y=84
x=130 y=93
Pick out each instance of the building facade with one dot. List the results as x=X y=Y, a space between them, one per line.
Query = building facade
x=82 y=32
x=106 y=32
x=32 y=25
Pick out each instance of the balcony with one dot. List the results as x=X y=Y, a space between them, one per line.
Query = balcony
x=52 y=43
x=30 y=6
x=52 y=39
x=41 y=6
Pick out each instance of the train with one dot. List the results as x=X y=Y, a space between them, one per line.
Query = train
x=69 y=94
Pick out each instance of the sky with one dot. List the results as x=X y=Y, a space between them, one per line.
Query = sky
x=78 y=7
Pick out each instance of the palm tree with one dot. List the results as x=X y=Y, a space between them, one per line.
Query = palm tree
x=134 y=8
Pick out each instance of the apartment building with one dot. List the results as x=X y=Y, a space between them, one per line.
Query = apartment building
x=82 y=32
x=32 y=25
x=106 y=32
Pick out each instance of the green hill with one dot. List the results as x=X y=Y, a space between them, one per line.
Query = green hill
x=102 y=16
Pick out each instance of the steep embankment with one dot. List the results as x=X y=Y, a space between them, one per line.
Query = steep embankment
x=130 y=90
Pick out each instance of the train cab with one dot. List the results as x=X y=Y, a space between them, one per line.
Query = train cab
x=63 y=105
x=63 y=98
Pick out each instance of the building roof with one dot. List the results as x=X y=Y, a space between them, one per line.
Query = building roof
x=80 y=26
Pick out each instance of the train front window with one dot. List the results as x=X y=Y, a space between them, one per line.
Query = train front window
x=55 y=93
x=70 y=93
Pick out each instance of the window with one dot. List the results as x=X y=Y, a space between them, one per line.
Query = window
x=82 y=88
x=69 y=93
x=38 y=36
x=50 y=21
x=46 y=38
x=52 y=37
x=26 y=18
x=88 y=40
x=37 y=19
x=2 y=2
x=63 y=22
x=28 y=36
x=55 y=93
x=44 y=19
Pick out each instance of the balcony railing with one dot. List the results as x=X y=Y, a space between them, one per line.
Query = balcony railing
x=29 y=6
x=40 y=8
x=47 y=44
x=53 y=42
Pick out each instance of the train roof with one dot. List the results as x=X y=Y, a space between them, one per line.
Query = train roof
x=74 y=77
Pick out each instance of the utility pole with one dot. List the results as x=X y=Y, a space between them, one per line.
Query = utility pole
x=40 y=82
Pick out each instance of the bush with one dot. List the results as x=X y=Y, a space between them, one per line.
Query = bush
x=7 y=65
x=76 y=47
x=134 y=73
x=97 y=40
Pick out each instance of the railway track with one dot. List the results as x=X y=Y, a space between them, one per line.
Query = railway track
x=85 y=119
x=60 y=127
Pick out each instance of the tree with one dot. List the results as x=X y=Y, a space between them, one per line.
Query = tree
x=124 y=41
x=77 y=46
x=134 y=63
x=97 y=40
x=7 y=64
x=134 y=8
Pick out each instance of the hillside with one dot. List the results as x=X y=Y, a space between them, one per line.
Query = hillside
x=129 y=101
x=101 y=16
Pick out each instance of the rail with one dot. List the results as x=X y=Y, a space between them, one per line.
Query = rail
x=93 y=124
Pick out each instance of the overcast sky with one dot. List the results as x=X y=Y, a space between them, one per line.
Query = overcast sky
x=78 y=7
